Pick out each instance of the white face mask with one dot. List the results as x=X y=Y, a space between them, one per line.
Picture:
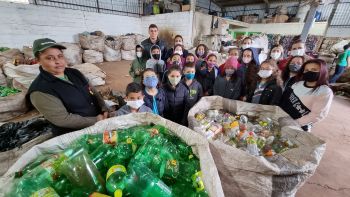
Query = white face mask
x=275 y=55
x=176 y=43
x=139 y=54
x=297 y=52
x=245 y=46
x=135 y=104
x=178 y=52
x=265 y=73
x=174 y=80
x=246 y=60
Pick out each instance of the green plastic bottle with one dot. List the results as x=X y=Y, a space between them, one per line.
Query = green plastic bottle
x=142 y=182
x=81 y=172
x=45 y=192
x=121 y=154
x=88 y=141
x=100 y=156
x=62 y=186
x=31 y=166
x=115 y=182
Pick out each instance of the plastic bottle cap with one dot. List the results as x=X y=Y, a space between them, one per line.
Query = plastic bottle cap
x=118 y=193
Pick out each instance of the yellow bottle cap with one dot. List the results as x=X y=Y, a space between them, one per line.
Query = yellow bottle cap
x=118 y=193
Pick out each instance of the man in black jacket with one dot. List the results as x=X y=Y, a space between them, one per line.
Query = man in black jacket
x=153 y=40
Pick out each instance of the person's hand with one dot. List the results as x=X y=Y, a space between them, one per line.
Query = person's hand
x=102 y=116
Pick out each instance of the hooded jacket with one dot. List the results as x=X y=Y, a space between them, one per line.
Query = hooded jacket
x=147 y=45
x=177 y=102
x=230 y=89
x=157 y=65
x=138 y=65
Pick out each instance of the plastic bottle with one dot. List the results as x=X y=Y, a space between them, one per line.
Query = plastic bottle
x=121 y=154
x=142 y=182
x=100 y=156
x=62 y=186
x=82 y=172
x=89 y=141
x=31 y=166
x=45 y=192
x=115 y=182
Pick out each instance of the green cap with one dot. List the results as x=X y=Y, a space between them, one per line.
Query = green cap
x=45 y=43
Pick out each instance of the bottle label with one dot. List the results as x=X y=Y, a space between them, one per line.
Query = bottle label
x=115 y=168
x=45 y=192
x=110 y=137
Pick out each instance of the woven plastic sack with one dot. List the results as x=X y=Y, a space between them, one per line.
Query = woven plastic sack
x=243 y=174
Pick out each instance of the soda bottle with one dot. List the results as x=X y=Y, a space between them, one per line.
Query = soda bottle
x=115 y=182
x=89 y=141
x=31 y=166
x=45 y=192
x=45 y=174
x=187 y=169
x=62 y=186
x=186 y=190
x=121 y=154
x=100 y=156
x=142 y=182
x=82 y=172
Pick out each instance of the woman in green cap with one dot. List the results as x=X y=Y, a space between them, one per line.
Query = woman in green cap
x=63 y=95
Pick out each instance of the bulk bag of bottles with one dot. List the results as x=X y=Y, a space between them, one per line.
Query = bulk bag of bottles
x=198 y=145
x=252 y=161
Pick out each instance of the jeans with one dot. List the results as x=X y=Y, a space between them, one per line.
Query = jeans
x=338 y=72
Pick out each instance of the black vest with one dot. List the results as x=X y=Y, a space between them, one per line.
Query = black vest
x=76 y=97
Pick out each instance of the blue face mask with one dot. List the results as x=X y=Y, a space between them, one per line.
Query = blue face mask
x=150 y=82
x=189 y=76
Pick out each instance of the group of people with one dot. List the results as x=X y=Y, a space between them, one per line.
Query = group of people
x=169 y=82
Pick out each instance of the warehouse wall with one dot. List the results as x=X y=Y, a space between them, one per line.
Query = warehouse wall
x=170 y=25
x=21 y=24
x=319 y=28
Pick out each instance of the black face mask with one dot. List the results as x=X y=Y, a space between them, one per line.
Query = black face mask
x=311 y=76
x=156 y=56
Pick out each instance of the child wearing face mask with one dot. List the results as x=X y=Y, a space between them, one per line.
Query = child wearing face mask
x=157 y=64
x=290 y=72
x=177 y=96
x=227 y=84
x=201 y=52
x=206 y=74
x=266 y=90
x=134 y=100
x=309 y=100
x=247 y=43
x=232 y=52
x=137 y=65
x=154 y=98
x=194 y=88
x=248 y=70
x=277 y=53
x=191 y=58
x=175 y=60
x=178 y=40
x=297 y=49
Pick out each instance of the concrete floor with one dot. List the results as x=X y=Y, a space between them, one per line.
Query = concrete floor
x=332 y=177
